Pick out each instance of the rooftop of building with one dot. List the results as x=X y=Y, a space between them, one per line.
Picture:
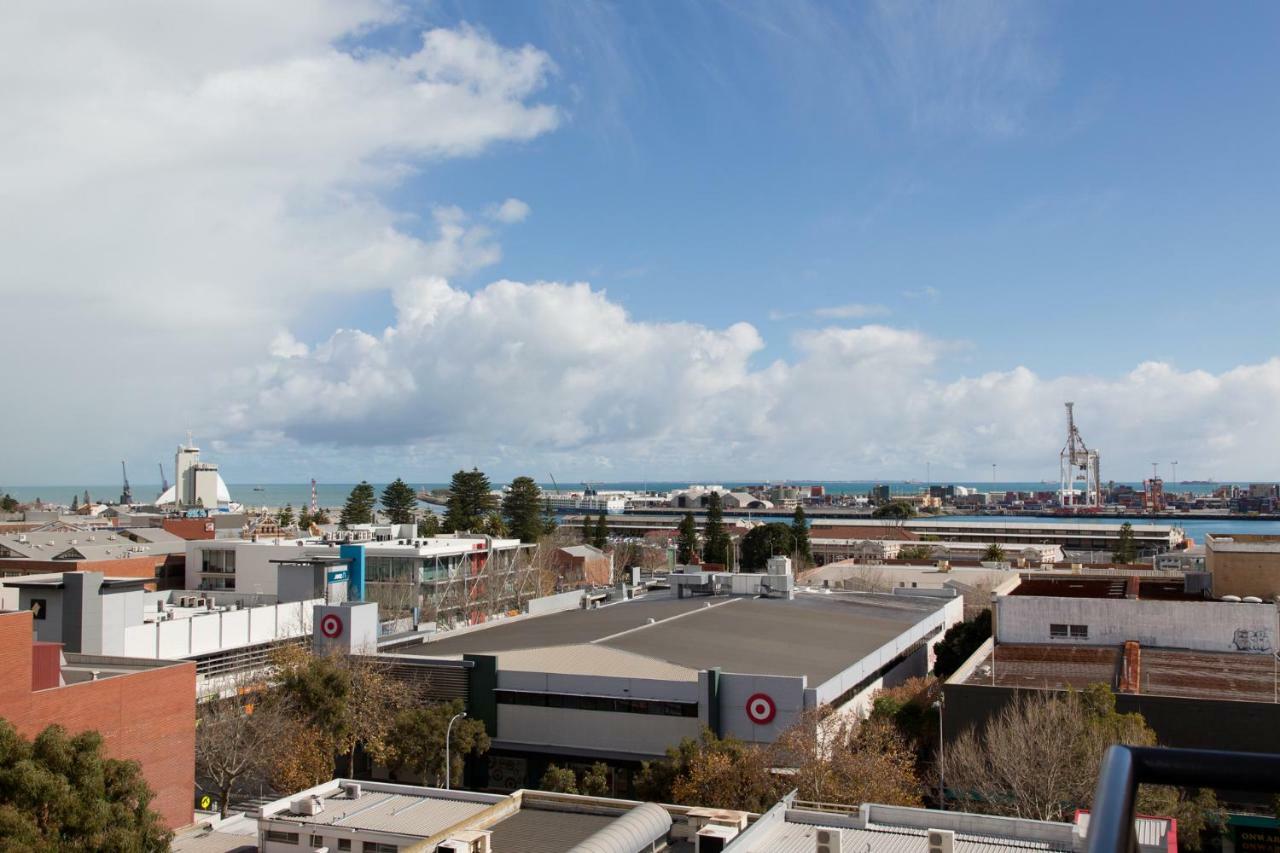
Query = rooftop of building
x=587 y=551
x=1238 y=676
x=1143 y=587
x=1244 y=542
x=106 y=544
x=816 y=635
x=57 y=580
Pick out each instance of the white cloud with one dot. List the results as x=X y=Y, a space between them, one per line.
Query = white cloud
x=510 y=211
x=521 y=377
x=182 y=180
x=850 y=311
x=922 y=293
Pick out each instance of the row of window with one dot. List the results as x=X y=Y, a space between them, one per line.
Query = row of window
x=277 y=836
x=220 y=560
x=614 y=705
x=1068 y=632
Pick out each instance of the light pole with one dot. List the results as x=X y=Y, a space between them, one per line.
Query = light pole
x=942 y=760
x=448 y=765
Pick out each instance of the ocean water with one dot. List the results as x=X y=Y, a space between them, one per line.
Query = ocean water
x=334 y=494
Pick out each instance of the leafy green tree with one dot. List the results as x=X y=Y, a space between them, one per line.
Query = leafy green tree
x=417 y=741
x=560 y=780
x=894 y=509
x=8 y=503
x=304 y=519
x=429 y=525
x=1126 y=546
x=470 y=501
x=800 y=532
x=767 y=540
x=715 y=541
x=60 y=793
x=321 y=516
x=687 y=540
x=359 y=506
x=959 y=643
x=915 y=552
x=493 y=525
x=400 y=502
x=285 y=516
x=994 y=554
x=522 y=510
x=595 y=781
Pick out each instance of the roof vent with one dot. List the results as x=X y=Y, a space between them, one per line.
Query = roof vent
x=311 y=805
x=351 y=790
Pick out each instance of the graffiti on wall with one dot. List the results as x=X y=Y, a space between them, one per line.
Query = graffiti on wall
x=1252 y=640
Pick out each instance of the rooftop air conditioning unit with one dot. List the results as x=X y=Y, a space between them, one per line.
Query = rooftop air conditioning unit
x=351 y=790
x=941 y=841
x=829 y=840
x=310 y=806
x=713 y=838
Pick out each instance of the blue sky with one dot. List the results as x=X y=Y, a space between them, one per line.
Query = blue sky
x=1109 y=196
x=624 y=240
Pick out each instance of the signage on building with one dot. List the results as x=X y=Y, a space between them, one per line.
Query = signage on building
x=331 y=625
x=760 y=709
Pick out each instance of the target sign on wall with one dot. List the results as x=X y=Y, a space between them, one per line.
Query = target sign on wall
x=760 y=709
x=331 y=625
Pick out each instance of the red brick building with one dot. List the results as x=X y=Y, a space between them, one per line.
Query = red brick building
x=583 y=564
x=145 y=710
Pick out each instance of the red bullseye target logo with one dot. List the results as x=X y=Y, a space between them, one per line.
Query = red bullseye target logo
x=760 y=709
x=331 y=625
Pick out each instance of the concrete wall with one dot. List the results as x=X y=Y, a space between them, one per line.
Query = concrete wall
x=599 y=685
x=255 y=573
x=645 y=735
x=570 y=600
x=1243 y=565
x=1202 y=625
x=786 y=692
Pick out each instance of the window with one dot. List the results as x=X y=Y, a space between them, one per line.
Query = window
x=38 y=607
x=376 y=847
x=317 y=841
x=1079 y=632
x=344 y=844
x=1068 y=632
x=1057 y=631
x=219 y=561
x=279 y=837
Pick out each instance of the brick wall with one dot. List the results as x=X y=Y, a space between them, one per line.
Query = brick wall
x=147 y=716
x=190 y=528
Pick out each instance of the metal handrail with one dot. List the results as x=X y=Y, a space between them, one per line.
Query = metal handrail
x=1111 y=828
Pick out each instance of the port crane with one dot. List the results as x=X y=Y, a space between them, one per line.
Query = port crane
x=126 y=494
x=164 y=483
x=1079 y=464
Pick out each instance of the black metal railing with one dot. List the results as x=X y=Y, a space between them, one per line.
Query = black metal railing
x=1124 y=768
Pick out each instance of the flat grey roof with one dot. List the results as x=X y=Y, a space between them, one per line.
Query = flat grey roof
x=532 y=830
x=814 y=635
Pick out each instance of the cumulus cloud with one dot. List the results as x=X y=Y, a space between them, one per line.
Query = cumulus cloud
x=521 y=376
x=181 y=180
x=510 y=211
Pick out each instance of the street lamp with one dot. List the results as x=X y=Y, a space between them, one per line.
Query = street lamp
x=448 y=765
x=942 y=761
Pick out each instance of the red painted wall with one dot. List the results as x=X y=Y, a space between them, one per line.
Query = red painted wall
x=147 y=716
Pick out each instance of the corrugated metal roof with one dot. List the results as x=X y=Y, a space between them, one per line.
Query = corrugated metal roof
x=634 y=832
x=803 y=838
x=380 y=811
x=542 y=831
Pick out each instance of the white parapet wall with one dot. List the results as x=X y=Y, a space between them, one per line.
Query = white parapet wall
x=219 y=630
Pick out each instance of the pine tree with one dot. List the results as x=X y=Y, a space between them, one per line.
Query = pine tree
x=429 y=525
x=285 y=516
x=687 y=541
x=75 y=502
x=598 y=533
x=522 y=509
x=359 y=506
x=400 y=502
x=470 y=501
x=1126 y=546
x=800 y=532
x=304 y=519
x=321 y=516
x=715 y=548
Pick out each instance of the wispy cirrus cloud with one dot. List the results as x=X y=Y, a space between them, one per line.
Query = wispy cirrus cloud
x=928 y=292
x=847 y=311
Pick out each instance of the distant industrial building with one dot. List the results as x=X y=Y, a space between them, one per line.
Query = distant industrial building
x=144 y=709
